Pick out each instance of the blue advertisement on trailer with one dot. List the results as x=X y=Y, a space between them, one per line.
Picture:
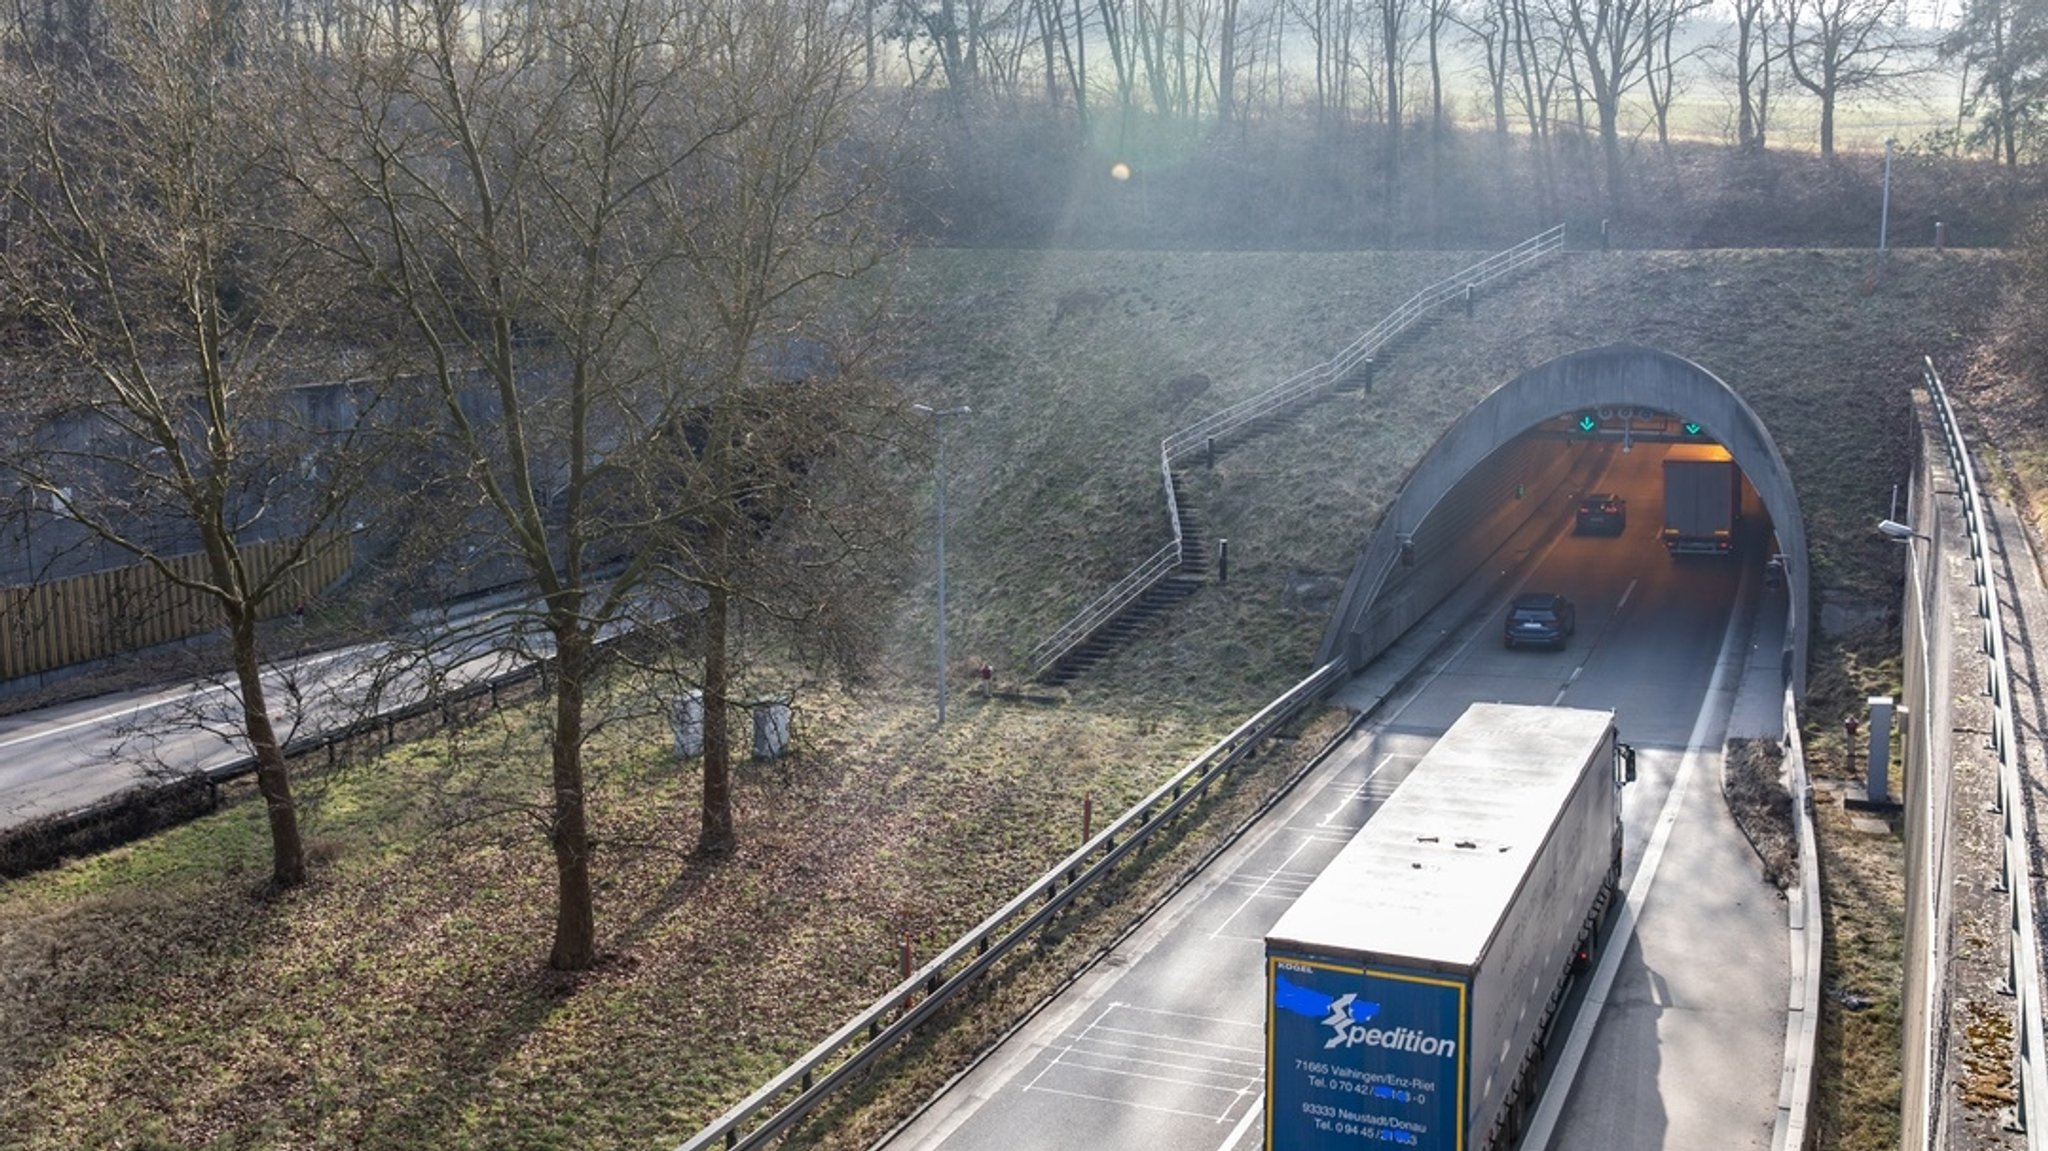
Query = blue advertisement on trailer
x=1363 y=1057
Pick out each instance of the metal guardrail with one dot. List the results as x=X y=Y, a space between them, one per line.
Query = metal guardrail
x=1795 y=1090
x=2022 y=974
x=803 y=1085
x=1289 y=393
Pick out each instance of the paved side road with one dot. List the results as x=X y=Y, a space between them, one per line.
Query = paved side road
x=66 y=758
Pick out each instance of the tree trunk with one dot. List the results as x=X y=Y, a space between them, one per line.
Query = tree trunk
x=576 y=930
x=1746 y=134
x=273 y=780
x=1610 y=151
x=575 y=918
x=1226 y=64
x=1047 y=11
x=716 y=837
x=1077 y=67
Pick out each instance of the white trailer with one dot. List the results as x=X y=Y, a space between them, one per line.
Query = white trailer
x=1702 y=500
x=1411 y=988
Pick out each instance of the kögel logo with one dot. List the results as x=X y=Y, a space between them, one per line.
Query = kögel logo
x=1347 y=1017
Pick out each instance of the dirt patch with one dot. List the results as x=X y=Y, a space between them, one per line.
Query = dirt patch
x=1762 y=807
x=1987 y=1081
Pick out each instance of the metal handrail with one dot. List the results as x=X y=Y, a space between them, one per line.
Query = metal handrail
x=1122 y=594
x=1296 y=389
x=1795 y=1097
x=2023 y=974
x=800 y=1087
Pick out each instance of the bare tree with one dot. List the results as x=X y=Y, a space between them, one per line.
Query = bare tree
x=155 y=252
x=782 y=212
x=1394 y=34
x=54 y=31
x=1331 y=26
x=593 y=250
x=1228 y=59
x=1119 y=38
x=1612 y=38
x=1839 y=49
x=1438 y=15
x=1752 y=56
x=499 y=197
x=1665 y=70
x=2006 y=43
x=953 y=31
x=1541 y=55
x=1486 y=25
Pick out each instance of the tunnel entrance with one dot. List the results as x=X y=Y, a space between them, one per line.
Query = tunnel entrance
x=1667 y=444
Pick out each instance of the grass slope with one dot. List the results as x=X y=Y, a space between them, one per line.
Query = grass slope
x=149 y=997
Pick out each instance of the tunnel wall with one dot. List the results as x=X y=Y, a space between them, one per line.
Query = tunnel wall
x=1622 y=375
x=1464 y=531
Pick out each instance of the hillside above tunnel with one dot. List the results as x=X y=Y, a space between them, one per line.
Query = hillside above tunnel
x=1077 y=364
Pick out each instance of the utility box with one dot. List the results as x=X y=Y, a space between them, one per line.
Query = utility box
x=771 y=727
x=686 y=719
x=1878 y=762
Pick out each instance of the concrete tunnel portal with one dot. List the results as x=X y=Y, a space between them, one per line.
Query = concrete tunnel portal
x=1462 y=498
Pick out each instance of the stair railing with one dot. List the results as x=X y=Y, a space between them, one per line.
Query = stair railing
x=1288 y=394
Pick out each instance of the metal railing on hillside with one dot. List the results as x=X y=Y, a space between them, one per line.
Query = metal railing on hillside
x=2023 y=974
x=1289 y=393
x=803 y=1085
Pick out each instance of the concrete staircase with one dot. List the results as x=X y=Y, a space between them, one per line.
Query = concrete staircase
x=1155 y=602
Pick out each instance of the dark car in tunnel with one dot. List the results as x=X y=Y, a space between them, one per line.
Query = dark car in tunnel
x=1601 y=514
x=1539 y=619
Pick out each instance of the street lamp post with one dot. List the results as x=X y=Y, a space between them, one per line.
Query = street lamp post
x=1877 y=764
x=940 y=415
x=1884 y=216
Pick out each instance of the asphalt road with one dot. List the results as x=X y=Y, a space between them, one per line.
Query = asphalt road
x=1161 y=1045
x=65 y=758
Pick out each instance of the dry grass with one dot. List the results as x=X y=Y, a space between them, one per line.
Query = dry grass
x=1761 y=806
x=397 y=1000
x=1858 y=1075
x=149 y=998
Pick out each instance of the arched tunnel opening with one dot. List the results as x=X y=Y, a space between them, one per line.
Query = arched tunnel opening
x=1631 y=483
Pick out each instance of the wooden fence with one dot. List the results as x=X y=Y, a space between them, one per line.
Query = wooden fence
x=104 y=613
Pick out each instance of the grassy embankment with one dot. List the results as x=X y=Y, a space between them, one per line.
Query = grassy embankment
x=149 y=998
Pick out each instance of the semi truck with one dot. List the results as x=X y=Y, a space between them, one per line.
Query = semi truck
x=1702 y=500
x=1410 y=990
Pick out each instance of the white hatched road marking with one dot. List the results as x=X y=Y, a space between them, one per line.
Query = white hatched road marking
x=1136 y=1054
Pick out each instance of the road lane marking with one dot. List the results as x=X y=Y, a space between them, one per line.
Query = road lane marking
x=97 y=718
x=1127 y=1067
x=1550 y=1107
x=1258 y=1108
x=1260 y=890
x=1054 y=1060
x=1357 y=793
x=1131 y=1103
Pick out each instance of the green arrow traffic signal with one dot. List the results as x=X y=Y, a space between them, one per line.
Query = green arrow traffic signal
x=1588 y=423
x=1691 y=428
